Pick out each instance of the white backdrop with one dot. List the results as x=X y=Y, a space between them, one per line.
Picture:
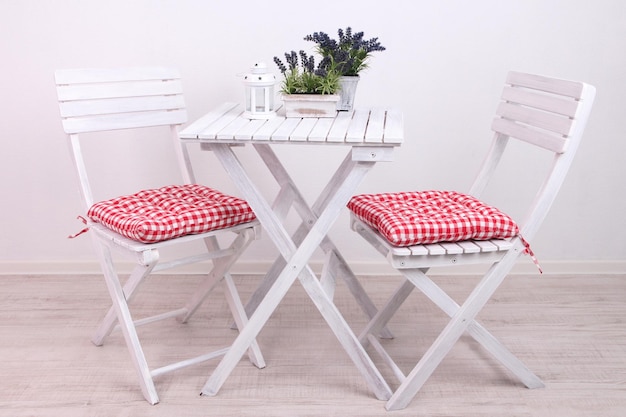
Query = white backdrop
x=444 y=67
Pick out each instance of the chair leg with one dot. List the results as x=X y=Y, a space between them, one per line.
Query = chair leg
x=380 y=320
x=475 y=329
x=219 y=272
x=125 y=321
x=458 y=324
x=220 y=267
x=108 y=323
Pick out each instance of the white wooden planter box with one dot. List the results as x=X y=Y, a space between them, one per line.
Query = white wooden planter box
x=310 y=105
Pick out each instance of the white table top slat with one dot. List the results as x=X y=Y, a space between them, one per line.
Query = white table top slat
x=302 y=131
x=376 y=126
x=197 y=127
x=340 y=127
x=321 y=129
x=283 y=133
x=231 y=130
x=358 y=126
x=226 y=124
x=266 y=131
x=212 y=130
x=248 y=130
x=394 y=127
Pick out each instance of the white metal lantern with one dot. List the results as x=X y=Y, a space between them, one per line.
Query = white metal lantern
x=259 y=85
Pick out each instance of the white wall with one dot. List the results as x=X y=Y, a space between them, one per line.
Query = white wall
x=445 y=64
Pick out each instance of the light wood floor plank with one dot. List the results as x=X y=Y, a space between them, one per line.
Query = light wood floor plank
x=570 y=330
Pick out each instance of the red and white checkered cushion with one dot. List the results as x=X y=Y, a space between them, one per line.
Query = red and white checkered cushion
x=411 y=218
x=151 y=216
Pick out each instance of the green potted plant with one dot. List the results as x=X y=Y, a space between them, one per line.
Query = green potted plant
x=308 y=91
x=348 y=55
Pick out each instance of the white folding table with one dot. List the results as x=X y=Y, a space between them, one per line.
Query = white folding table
x=370 y=136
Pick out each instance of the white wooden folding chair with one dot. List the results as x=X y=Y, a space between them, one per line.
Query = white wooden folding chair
x=417 y=231
x=139 y=226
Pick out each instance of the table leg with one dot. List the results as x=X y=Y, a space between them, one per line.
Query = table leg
x=297 y=265
x=309 y=215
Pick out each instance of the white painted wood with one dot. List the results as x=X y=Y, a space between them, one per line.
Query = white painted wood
x=320 y=130
x=542 y=111
x=95 y=90
x=316 y=222
x=246 y=131
x=435 y=249
x=289 y=196
x=417 y=250
x=102 y=104
x=212 y=130
x=534 y=137
x=123 y=121
x=452 y=248
x=283 y=132
x=117 y=105
x=302 y=131
x=231 y=130
x=549 y=121
x=150 y=97
x=394 y=127
x=112 y=75
x=266 y=130
x=372 y=153
x=357 y=127
x=573 y=89
x=554 y=104
x=469 y=246
x=375 y=126
x=198 y=126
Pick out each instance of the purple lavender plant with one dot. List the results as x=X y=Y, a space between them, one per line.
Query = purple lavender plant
x=302 y=77
x=349 y=54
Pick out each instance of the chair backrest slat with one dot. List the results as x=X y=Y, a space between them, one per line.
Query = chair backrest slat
x=78 y=108
x=131 y=120
x=94 y=91
x=112 y=75
x=95 y=100
x=532 y=116
x=524 y=132
x=551 y=103
x=561 y=87
x=539 y=110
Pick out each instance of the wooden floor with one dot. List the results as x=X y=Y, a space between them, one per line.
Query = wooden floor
x=570 y=330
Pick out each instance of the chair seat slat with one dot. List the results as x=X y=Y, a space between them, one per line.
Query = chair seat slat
x=452 y=248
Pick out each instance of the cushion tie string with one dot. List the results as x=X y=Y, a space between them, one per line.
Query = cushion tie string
x=86 y=229
x=529 y=251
